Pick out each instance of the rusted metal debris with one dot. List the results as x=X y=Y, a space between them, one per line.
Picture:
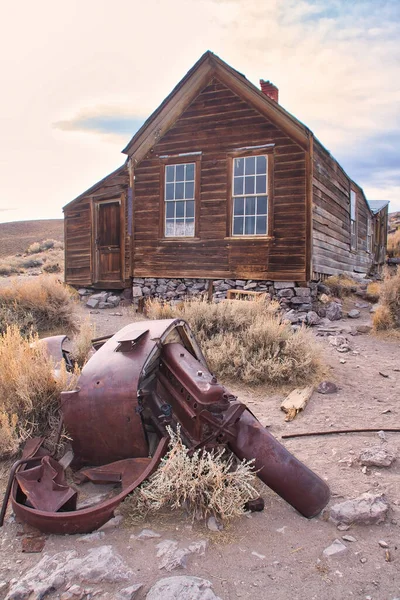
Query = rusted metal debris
x=146 y=377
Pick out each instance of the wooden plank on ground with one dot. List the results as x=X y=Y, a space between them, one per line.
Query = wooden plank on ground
x=296 y=401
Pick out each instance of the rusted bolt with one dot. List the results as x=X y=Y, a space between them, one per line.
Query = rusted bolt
x=200 y=373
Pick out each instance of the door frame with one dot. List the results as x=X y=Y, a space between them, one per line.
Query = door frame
x=95 y=250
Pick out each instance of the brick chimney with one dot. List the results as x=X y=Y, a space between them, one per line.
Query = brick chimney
x=269 y=89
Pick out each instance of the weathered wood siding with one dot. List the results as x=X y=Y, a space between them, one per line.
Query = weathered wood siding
x=218 y=122
x=332 y=253
x=79 y=234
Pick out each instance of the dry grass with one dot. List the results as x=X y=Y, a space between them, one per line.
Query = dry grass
x=207 y=483
x=15 y=237
x=373 y=291
x=39 y=304
x=29 y=391
x=82 y=343
x=393 y=244
x=248 y=341
x=341 y=285
x=387 y=316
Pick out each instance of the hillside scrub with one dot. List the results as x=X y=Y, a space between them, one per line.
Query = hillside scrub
x=29 y=391
x=387 y=315
x=39 y=304
x=393 y=244
x=48 y=260
x=247 y=341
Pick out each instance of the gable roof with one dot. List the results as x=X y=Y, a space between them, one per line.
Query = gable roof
x=208 y=66
x=377 y=205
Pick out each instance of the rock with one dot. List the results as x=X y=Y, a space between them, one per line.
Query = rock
x=382 y=435
x=366 y=509
x=84 y=292
x=279 y=285
x=146 y=534
x=297 y=300
x=198 y=547
x=337 y=547
x=91 y=537
x=172 y=557
x=291 y=316
x=75 y=592
x=114 y=300
x=128 y=593
x=240 y=282
x=213 y=524
x=182 y=588
x=260 y=556
x=92 y=303
x=251 y=285
x=349 y=538
x=342 y=527
x=137 y=291
x=112 y=523
x=323 y=289
x=139 y=280
x=103 y=305
x=285 y=293
x=334 y=311
x=383 y=544
x=256 y=505
x=340 y=342
x=313 y=318
x=161 y=289
x=376 y=457
x=353 y=314
x=101 y=564
x=101 y=296
x=304 y=292
x=324 y=299
x=327 y=387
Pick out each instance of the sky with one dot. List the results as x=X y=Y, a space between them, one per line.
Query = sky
x=79 y=77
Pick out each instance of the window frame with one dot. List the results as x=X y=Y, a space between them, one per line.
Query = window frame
x=179 y=159
x=244 y=153
x=353 y=247
x=369 y=234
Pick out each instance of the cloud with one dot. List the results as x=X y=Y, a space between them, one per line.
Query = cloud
x=110 y=122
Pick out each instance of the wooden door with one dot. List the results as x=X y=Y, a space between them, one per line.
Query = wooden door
x=108 y=241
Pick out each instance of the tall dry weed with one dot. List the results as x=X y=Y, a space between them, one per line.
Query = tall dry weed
x=393 y=244
x=248 y=341
x=341 y=285
x=29 y=389
x=204 y=483
x=387 y=315
x=82 y=343
x=49 y=303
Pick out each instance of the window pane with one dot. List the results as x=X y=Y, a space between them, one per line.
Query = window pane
x=169 y=228
x=250 y=206
x=189 y=190
x=169 y=191
x=249 y=185
x=169 y=173
x=180 y=172
x=170 y=210
x=261 y=184
x=261 y=225
x=189 y=227
x=238 y=226
x=179 y=189
x=180 y=209
x=239 y=166
x=249 y=225
x=190 y=208
x=238 y=206
x=190 y=172
x=238 y=186
x=179 y=227
x=250 y=165
x=261 y=205
x=261 y=164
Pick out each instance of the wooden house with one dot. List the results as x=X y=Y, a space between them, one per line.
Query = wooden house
x=220 y=182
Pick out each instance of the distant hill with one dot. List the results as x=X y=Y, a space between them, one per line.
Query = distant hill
x=15 y=237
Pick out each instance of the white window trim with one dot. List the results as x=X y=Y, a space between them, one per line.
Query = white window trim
x=255 y=195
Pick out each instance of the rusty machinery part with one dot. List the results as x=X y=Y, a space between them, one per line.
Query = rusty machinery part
x=147 y=376
x=54 y=347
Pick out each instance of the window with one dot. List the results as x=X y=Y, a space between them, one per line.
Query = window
x=353 y=223
x=179 y=198
x=249 y=195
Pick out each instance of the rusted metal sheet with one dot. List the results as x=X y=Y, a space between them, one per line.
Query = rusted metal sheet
x=146 y=377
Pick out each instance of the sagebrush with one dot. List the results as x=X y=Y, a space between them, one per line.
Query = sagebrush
x=247 y=341
x=387 y=315
x=29 y=390
x=206 y=483
x=393 y=244
x=340 y=285
x=50 y=260
x=38 y=304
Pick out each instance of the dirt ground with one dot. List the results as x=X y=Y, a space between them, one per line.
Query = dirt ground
x=278 y=553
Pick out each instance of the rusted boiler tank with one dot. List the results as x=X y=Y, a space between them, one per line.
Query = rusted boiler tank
x=147 y=376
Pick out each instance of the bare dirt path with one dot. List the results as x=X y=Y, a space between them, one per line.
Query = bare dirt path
x=277 y=553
